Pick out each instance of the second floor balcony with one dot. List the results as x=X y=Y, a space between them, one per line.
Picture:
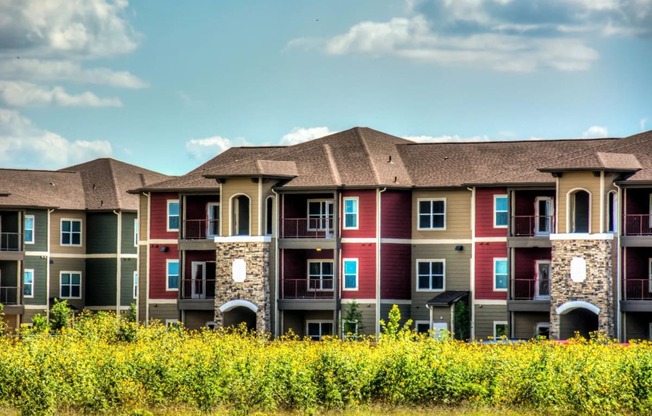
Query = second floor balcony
x=197 y=288
x=638 y=225
x=532 y=225
x=637 y=289
x=9 y=295
x=320 y=227
x=530 y=289
x=10 y=241
x=200 y=229
x=307 y=289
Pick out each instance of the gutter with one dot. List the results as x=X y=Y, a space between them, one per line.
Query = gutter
x=378 y=257
x=118 y=268
x=619 y=289
x=47 y=267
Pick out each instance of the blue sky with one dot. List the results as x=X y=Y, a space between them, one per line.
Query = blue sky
x=167 y=85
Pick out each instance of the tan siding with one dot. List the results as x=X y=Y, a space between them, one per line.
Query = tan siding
x=368 y=311
x=236 y=186
x=458 y=215
x=457 y=272
x=163 y=311
x=577 y=180
x=525 y=324
x=197 y=319
x=485 y=317
x=142 y=282
x=440 y=315
x=143 y=218
x=55 y=234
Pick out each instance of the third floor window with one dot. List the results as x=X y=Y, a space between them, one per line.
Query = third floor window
x=432 y=214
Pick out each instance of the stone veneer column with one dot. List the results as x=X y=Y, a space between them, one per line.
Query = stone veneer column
x=597 y=288
x=255 y=288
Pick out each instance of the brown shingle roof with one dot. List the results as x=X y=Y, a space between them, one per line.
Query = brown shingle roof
x=39 y=188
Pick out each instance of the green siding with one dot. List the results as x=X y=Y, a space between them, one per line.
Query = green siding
x=71 y=265
x=101 y=282
x=127 y=282
x=39 y=266
x=40 y=231
x=128 y=246
x=101 y=233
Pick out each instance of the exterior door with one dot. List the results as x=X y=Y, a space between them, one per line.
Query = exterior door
x=213 y=217
x=198 y=281
x=544 y=211
x=542 y=280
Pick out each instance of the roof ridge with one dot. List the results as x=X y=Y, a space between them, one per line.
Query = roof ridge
x=335 y=173
x=114 y=183
x=372 y=165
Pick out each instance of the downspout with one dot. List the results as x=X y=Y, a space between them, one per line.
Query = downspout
x=619 y=289
x=47 y=268
x=472 y=283
x=337 y=229
x=602 y=201
x=118 y=271
x=147 y=263
x=276 y=265
x=378 y=254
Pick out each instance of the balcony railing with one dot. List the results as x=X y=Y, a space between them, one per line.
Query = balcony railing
x=11 y=241
x=9 y=295
x=307 y=228
x=198 y=289
x=200 y=229
x=530 y=289
x=307 y=289
x=532 y=225
x=638 y=225
x=637 y=289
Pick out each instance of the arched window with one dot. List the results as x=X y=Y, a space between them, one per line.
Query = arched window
x=612 y=212
x=240 y=215
x=580 y=204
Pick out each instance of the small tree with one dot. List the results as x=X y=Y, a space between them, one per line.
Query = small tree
x=392 y=329
x=60 y=315
x=352 y=322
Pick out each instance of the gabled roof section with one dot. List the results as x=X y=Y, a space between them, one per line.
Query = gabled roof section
x=42 y=189
x=598 y=161
x=106 y=181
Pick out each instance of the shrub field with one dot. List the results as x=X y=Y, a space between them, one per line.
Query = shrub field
x=109 y=365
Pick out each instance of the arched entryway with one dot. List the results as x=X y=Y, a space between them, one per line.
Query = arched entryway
x=577 y=317
x=236 y=312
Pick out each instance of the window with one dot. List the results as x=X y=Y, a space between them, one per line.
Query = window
x=28 y=283
x=320 y=275
x=542 y=284
x=430 y=274
x=580 y=211
x=320 y=215
x=240 y=212
x=71 y=232
x=542 y=329
x=422 y=327
x=172 y=323
x=70 y=286
x=350 y=274
x=351 y=213
x=269 y=215
x=136 y=233
x=173 y=215
x=172 y=281
x=544 y=211
x=612 y=212
x=500 y=274
x=29 y=229
x=213 y=215
x=318 y=329
x=500 y=211
x=432 y=214
x=500 y=329
x=135 y=285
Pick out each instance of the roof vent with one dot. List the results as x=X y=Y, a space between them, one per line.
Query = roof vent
x=94 y=186
x=395 y=179
x=389 y=160
x=51 y=183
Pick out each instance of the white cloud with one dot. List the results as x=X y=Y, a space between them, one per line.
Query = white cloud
x=206 y=148
x=61 y=70
x=300 y=135
x=24 y=145
x=447 y=138
x=596 y=131
x=20 y=94
x=643 y=123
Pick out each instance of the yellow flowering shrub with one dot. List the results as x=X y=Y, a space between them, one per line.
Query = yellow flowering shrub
x=106 y=364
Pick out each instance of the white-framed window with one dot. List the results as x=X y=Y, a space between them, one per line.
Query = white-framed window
x=544 y=211
x=500 y=211
x=350 y=274
x=172 y=275
x=320 y=275
x=171 y=323
x=501 y=329
x=213 y=216
x=351 y=212
x=422 y=327
x=320 y=214
x=542 y=329
x=579 y=202
x=29 y=229
x=136 y=232
x=135 y=285
x=71 y=232
x=612 y=211
x=28 y=283
x=173 y=215
x=70 y=285
x=318 y=329
x=431 y=275
x=432 y=214
x=500 y=274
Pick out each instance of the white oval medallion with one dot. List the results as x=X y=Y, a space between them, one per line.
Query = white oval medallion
x=578 y=269
x=239 y=270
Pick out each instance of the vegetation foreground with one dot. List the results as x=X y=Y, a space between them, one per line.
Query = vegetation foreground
x=108 y=364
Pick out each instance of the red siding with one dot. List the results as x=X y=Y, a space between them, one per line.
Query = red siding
x=158 y=271
x=637 y=201
x=525 y=261
x=366 y=255
x=195 y=208
x=366 y=214
x=396 y=214
x=484 y=213
x=524 y=201
x=207 y=256
x=484 y=269
x=295 y=262
x=395 y=270
x=159 y=216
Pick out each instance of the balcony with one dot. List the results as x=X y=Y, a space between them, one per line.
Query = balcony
x=307 y=228
x=200 y=229
x=307 y=289
x=532 y=225
x=637 y=289
x=638 y=225
x=9 y=295
x=531 y=289
x=197 y=294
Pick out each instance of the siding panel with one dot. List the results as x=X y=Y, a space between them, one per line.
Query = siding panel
x=484 y=269
x=366 y=214
x=484 y=213
x=396 y=214
x=395 y=271
x=366 y=255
